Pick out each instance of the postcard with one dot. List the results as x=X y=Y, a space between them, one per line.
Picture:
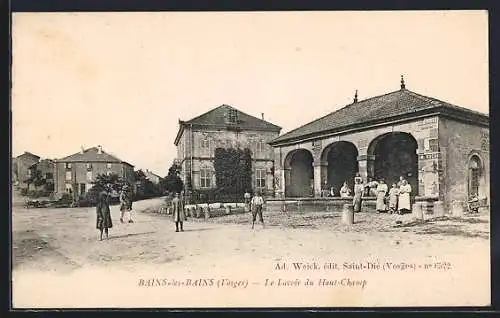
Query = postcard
x=250 y=159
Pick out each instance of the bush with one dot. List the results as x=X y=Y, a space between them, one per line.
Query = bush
x=66 y=197
x=24 y=191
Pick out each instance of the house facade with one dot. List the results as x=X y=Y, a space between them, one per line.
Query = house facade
x=21 y=168
x=441 y=149
x=74 y=174
x=151 y=176
x=46 y=168
x=224 y=127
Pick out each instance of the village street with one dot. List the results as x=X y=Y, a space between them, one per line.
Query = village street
x=57 y=250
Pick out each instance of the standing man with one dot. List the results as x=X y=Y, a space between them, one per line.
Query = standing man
x=178 y=212
x=256 y=204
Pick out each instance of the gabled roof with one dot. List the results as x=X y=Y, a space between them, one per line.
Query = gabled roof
x=216 y=118
x=28 y=154
x=398 y=104
x=92 y=155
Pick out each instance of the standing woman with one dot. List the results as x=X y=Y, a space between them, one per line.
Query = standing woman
x=404 y=197
x=103 y=214
x=358 y=193
x=178 y=212
x=381 y=192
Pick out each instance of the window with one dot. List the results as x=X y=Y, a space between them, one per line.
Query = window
x=205 y=178
x=205 y=147
x=68 y=165
x=260 y=175
x=259 y=148
x=474 y=175
x=69 y=188
x=89 y=166
x=109 y=165
x=49 y=175
x=108 y=173
x=82 y=188
x=69 y=176
x=89 y=175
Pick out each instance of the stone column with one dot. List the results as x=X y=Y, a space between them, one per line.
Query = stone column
x=319 y=176
x=366 y=164
x=285 y=181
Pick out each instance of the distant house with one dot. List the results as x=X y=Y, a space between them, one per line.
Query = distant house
x=225 y=127
x=75 y=173
x=154 y=178
x=46 y=168
x=21 y=167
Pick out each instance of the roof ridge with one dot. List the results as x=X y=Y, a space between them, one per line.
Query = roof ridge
x=335 y=111
x=209 y=111
x=446 y=104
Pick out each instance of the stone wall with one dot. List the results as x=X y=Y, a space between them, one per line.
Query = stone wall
x=458 y=142
x=424 y=130
x=203 y=156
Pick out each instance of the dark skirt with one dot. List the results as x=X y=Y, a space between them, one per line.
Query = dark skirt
x=103 y=217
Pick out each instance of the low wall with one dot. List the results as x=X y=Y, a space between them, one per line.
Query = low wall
x=333 y=204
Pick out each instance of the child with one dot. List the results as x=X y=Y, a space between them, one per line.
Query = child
x=393 y=198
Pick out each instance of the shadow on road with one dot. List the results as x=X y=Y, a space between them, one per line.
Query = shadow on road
x=129 y=235
x=199 y=230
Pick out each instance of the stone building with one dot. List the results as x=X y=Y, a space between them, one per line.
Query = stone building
x=21 y=168
x=46 y=168
x=441 y=149
x=75 y=173
x=224 y=127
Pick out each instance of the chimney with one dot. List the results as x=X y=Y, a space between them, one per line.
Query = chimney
x=262 y=114
x=82 y=150
x=99 y=149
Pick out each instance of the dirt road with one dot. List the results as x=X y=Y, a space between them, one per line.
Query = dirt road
x=60 y=247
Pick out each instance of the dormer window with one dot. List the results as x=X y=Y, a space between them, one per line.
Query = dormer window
x=232 y=116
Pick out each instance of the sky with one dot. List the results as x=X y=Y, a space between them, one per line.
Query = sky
x=123 y=80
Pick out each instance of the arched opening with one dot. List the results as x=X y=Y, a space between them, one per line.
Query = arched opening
x=474 y=176
x=342 y=164
x=395 y=155
x=299 y=176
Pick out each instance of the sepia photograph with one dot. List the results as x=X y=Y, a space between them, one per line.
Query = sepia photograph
x=250 y=159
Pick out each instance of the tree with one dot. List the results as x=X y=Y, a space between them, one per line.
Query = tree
x=36 y=178
x=233 y=170
x=109 y=183
x=173 y=182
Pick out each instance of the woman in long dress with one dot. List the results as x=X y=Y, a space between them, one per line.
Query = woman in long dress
x=404 y=204
x=358 y=193
x=381 y=192
x=393 y=198
x=103 y=212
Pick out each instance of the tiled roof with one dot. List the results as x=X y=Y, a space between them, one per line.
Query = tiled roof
x=26 y=153
x=394 y=104
x=217 y=117
x=91 y=155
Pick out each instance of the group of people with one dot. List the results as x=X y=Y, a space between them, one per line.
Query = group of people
x=394 y=200
x=104 y=221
